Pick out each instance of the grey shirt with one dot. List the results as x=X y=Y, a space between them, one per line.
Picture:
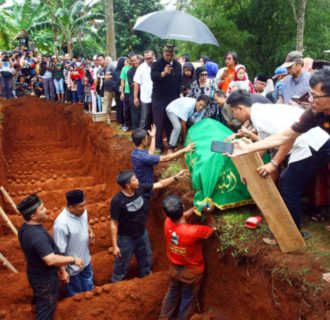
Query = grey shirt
x=72 y=237
x=295 y=87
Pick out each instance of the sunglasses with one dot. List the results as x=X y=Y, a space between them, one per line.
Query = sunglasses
x=203 y=74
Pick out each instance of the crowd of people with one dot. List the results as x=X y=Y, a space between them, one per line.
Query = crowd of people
x=288 y=115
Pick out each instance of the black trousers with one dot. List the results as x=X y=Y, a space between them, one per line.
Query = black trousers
x=161 y=121
x=119 y=109
x=127 y=111
x=45 y=296
x=295 y=177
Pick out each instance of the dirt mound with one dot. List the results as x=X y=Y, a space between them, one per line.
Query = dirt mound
x=49 y=148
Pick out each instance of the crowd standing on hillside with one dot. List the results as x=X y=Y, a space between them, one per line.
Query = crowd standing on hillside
x=287 y=115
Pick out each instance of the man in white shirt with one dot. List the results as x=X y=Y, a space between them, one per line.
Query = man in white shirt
x=72 y=235
x=269 y=119
x=143 y=86
x=183 y=110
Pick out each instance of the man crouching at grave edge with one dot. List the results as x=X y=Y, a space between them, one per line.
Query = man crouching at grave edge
x=45 y=265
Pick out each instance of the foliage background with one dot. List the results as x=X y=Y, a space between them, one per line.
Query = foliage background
x=262 y=32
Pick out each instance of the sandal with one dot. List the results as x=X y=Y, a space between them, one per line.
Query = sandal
x=270 y=241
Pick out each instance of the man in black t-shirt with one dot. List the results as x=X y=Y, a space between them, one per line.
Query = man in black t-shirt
x=128 y=223
x=44 y=264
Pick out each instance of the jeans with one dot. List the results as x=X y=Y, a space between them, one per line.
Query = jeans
x=6 y=87
x=182 y=295
x=48 y=85
x=128 y=246
x=80 y=90
x=74 y=96
x=176 y=123
x=81 y=282
x=295 y=177
x=59 y=85
x=145 y=115
x=45 y=296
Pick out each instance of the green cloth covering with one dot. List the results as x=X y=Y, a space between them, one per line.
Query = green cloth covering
x=215 y=178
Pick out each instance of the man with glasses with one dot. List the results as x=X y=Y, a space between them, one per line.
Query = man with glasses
x=143 y=87
x=317 y=116
x=166 y=75
x=297 y=81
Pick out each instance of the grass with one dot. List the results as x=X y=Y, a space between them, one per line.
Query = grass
x=319 y=243
x=232 y=233
x=174 y=167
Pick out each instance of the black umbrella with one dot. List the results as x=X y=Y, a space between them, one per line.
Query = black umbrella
x=175 y=25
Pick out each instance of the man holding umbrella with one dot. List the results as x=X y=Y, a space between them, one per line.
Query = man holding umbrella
x=166 y=74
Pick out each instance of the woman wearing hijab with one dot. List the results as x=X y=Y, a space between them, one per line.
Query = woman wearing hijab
x=188 y=76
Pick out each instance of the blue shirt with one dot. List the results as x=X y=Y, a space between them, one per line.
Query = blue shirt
x=295 y=87
x=143 y=163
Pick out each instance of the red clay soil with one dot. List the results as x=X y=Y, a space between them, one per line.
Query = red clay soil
x=50 y=148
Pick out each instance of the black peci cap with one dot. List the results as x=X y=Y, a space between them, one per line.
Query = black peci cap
x=74 y=197
x=29 y=205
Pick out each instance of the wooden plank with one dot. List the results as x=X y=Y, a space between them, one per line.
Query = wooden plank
x=9 y=198
x=7 y=264
x=8 y=221
x=270 y=203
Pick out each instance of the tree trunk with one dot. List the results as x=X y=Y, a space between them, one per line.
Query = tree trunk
x=299 y=8
x=110 y=27
x=70 y=48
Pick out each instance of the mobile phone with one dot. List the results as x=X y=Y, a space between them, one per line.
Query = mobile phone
x=222 y=147
x=304 y=97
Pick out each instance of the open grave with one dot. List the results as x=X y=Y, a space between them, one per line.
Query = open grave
x=49 y=149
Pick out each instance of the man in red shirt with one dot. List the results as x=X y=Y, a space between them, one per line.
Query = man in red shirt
x=184 y=251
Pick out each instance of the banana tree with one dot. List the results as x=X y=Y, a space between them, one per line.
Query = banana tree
x=19 y=16
x=70 y=21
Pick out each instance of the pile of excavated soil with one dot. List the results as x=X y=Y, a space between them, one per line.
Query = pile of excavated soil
x=49 y=149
